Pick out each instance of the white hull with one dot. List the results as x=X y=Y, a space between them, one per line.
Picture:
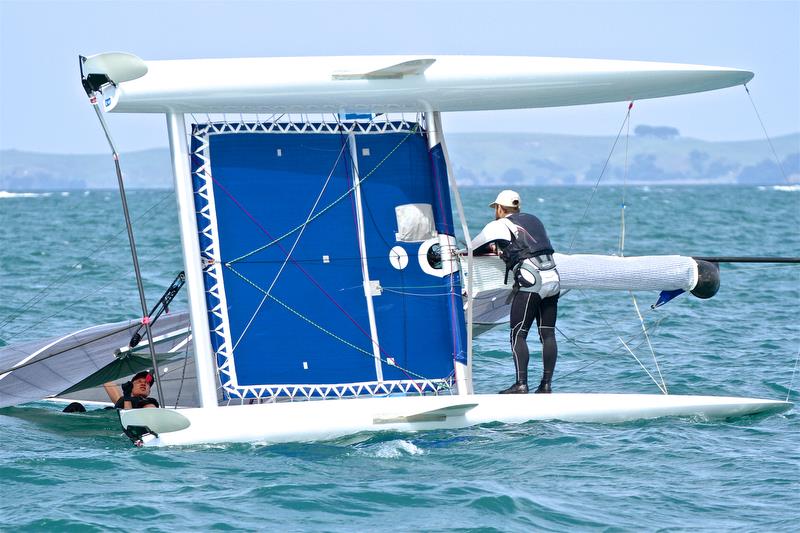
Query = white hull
x=386 y=84
x=330 y=419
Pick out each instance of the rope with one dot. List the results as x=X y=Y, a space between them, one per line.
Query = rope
x=406 y=293
x=76 y=302
x=764 y=129
x=329 y=206
x=228 y=264
x=649 y=344
x=339 y=259
x=602 y=172
x=794 y=371
x=580 y=346
x=371 y=355
x=42 y=293
x=785 y=178
x=749 y=269
x=663 y=390
x=183 y=373
x=308 y=276
x=624 y=188
x=294 y=245
x=613 y=330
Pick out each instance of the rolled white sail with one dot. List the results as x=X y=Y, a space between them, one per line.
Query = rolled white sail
x=601 y=272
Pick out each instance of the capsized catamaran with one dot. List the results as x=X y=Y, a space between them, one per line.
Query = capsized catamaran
x=327 y=293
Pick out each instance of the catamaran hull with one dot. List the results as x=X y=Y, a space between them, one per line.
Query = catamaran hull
x=325 y=420
x=390 y=84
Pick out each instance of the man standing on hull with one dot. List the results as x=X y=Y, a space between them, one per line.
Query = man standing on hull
x=538 y=302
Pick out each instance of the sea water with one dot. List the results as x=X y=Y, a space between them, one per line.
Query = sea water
x=65 y=264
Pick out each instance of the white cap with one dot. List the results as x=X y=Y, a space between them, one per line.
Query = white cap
x=507 y=199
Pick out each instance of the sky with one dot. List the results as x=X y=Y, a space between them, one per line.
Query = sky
x=44 y=109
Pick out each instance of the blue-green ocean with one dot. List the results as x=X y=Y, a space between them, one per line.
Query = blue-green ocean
x=64 y=264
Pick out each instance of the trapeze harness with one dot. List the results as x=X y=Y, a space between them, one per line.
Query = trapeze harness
x=529 y=257
x=137 y=402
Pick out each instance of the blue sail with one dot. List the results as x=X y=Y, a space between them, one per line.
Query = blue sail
x=289 y=223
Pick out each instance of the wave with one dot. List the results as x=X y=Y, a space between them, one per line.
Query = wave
x=7 y=194
x=785 y=188
x=392 y=449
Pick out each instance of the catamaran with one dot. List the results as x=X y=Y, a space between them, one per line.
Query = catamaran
x=328 y=294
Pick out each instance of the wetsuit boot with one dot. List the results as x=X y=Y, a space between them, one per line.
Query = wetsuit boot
x=516 y=388
x=544 y=386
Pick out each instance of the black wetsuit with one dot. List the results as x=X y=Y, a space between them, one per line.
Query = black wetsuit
x=137 y=402
x=528 y=306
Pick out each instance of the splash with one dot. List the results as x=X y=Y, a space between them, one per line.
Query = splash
x=393 y=449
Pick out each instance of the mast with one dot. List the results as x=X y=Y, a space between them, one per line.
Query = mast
x=91 y=92
x=362 y=246
x=433 y=120
x=198 y=310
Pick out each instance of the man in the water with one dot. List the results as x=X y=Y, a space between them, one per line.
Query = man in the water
x=525 y=306
x=135 y=394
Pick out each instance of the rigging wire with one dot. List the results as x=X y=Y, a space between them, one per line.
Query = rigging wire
x=624 y=126
x=785 y=178
x=349 y=259
x=92 y=94
x=329 y=206
x=183 y=371
x=72 y=304
x=44 y=292
x=624 y=187
x=295 y=312
x=597 y=183
x=228 y=264
x=304 y=271
x=794 y=371
x=619 y=337
x=597 y=359
x=406 y=293
x=291 y=250
x=660 y=387
x=649 y=344
x=764 y=129
x=663 y=386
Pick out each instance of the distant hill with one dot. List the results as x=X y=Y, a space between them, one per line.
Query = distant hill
x=656 y=155
x=546 y=159
x=21 y=171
